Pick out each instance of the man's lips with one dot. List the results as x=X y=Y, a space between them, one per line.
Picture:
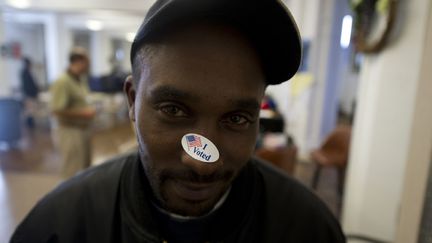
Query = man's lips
x=193 y=191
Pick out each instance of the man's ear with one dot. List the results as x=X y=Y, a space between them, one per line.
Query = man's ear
x=130 y=92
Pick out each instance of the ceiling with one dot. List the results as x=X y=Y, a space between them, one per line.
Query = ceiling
x=110 y=15
x=134 y=6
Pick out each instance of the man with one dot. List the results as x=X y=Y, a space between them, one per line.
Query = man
x=73 y=114
x=200 y=69
x=30 y=91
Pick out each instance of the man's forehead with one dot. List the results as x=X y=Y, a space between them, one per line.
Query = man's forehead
x=216 y=60
x=209 y=55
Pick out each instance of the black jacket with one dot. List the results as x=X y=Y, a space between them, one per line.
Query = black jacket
x=28 y=83
x=111 y=203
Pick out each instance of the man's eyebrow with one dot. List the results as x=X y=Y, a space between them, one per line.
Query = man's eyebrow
x=165 y=92
x=246 y=104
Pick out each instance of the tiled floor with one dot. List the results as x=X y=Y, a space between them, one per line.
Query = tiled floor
x=326 y=186
x=35 y=153
x=18 y=194
x=30 y=170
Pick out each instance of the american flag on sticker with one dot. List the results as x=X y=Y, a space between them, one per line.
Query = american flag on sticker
x=193 y=141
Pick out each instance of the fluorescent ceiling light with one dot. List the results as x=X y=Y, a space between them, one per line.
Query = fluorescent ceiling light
x=94 y=25
x=19 y=3
x=346 y=31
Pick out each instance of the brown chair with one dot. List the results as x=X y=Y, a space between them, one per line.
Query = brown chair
x=283 y=158
x=333 y=153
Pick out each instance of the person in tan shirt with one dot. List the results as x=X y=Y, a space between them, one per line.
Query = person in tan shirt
x=73 y=114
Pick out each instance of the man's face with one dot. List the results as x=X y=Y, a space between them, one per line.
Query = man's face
x=84 y=65
x=207 y=81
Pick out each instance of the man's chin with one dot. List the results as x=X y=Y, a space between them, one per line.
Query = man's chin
x=190 y=208
x=191 y=199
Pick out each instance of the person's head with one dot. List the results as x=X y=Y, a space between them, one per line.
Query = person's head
x=78 y=61
x=26 y=63
x=205 y=77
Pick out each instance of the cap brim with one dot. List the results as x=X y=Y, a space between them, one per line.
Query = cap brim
x=267 y=23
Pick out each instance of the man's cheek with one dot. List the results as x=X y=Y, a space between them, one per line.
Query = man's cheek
x=237 y=157
x=241 y=149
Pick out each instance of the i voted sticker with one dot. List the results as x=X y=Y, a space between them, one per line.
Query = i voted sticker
x=200 y=148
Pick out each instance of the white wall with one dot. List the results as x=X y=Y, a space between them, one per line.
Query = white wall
x=382 y=133
x=100 y=53
x=306 y=13
x=296 y=109
x=312 y=114
x=58 y=41
x=348 y=91
x=420 y=152
x=320 y=52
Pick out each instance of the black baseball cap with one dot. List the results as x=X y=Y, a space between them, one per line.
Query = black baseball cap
x=268 y=24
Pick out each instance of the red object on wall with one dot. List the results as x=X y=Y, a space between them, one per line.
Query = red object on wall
x=16 y=50
x=11 y=50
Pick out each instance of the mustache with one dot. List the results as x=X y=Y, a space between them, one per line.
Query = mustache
x=192 y=176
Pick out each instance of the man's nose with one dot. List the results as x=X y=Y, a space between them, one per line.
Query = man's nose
x=204 y=168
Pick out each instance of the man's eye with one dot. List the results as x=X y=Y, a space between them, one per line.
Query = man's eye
x=172 y=110
x=238 y=120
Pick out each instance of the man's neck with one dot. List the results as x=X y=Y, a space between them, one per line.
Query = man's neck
x=178 y=217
